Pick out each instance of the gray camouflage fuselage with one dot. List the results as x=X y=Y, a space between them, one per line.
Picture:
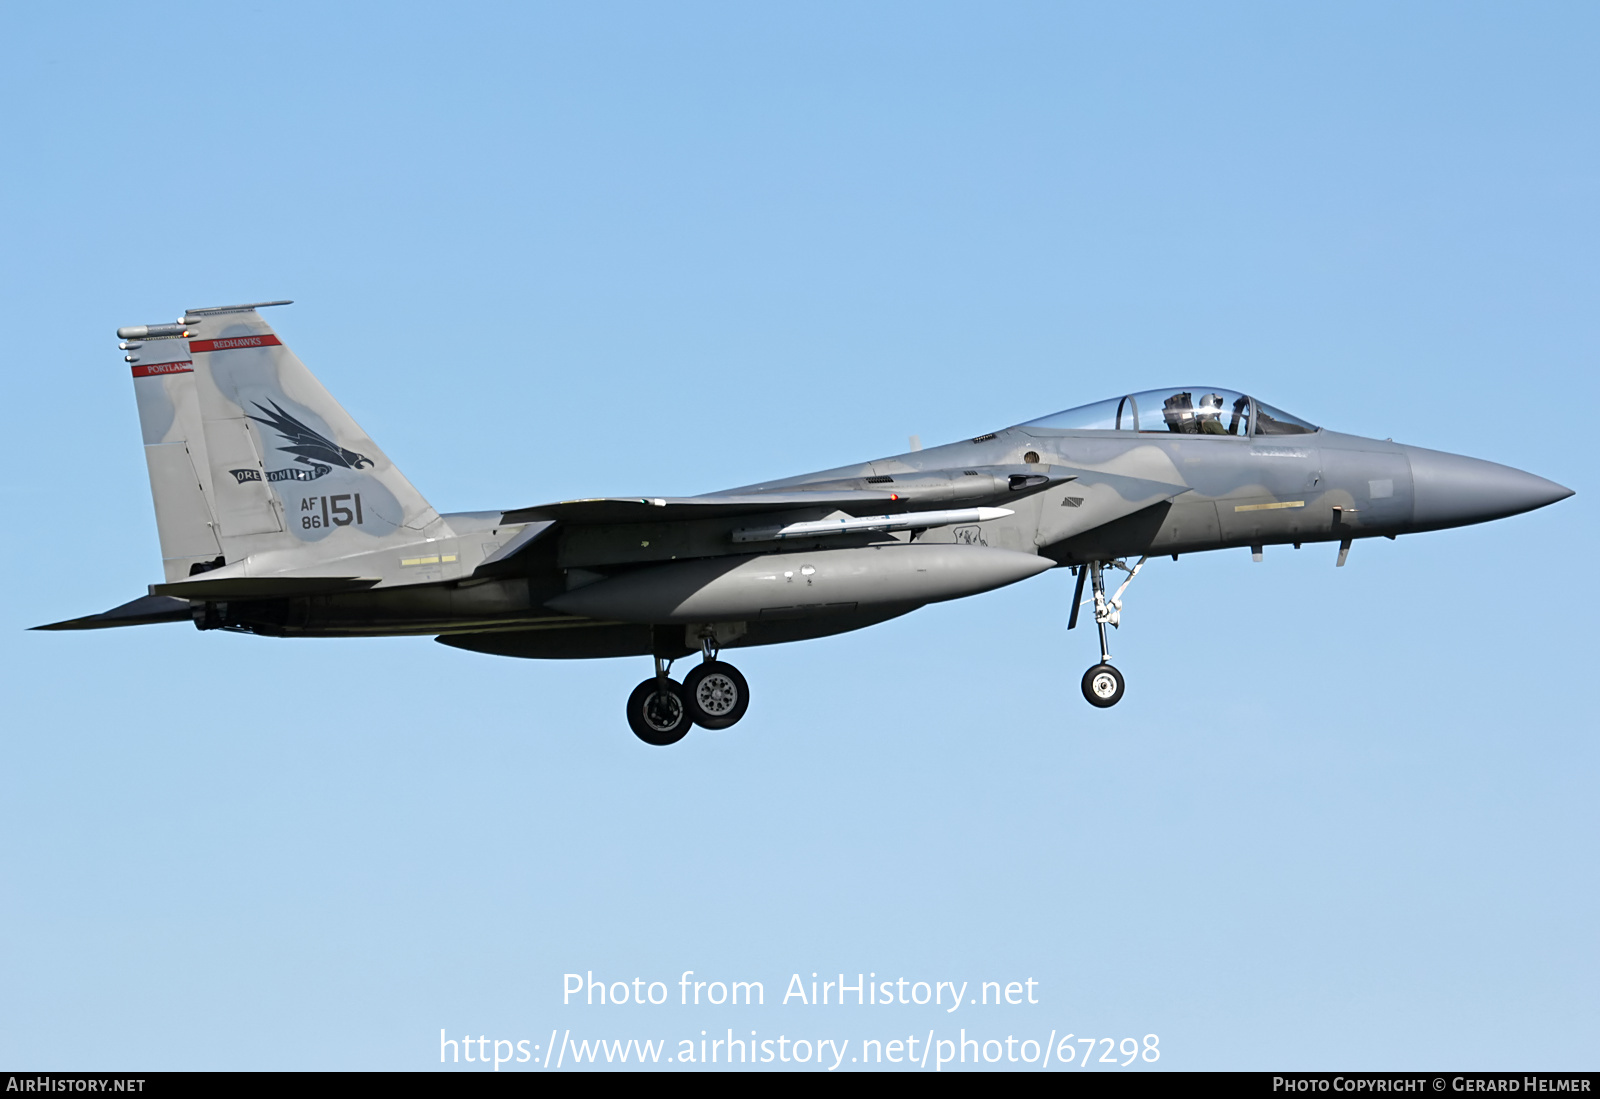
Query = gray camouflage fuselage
x=1129 y=497
x=246 y=451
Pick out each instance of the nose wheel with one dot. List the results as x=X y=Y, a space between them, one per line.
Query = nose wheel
x=712 y=696
x=1103 y=685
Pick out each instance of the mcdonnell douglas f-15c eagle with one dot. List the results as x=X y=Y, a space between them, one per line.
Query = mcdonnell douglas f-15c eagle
x=279 y=516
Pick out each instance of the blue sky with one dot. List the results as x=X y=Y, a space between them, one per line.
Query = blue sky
x=1341 y=819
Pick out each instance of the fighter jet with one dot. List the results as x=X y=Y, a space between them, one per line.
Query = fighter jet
x=279 y=516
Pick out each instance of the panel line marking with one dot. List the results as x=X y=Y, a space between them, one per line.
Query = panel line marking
x=1270 y=507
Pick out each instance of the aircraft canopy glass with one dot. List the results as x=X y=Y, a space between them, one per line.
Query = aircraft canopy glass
x=1194 y=410
x=1269 y=421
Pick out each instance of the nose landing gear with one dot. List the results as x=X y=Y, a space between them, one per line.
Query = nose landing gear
x=1103 y=685
x=713 y=696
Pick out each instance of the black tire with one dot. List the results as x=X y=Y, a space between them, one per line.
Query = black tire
x=654 y=720
x=1103 y=686
x=716 y=695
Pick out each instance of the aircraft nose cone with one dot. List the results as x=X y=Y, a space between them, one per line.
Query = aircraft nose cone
x=1453 y=490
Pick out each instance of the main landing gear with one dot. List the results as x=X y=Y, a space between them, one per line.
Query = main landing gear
x=656 y=712
x=1103 y=685
x=713 y=696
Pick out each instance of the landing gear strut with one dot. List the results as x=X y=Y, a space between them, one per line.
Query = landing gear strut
x=1103 y=685
x=713 y=696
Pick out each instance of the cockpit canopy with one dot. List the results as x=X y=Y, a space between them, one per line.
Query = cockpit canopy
x=1193 y=410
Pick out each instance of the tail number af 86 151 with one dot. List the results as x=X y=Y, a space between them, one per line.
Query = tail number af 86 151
x=330 y=511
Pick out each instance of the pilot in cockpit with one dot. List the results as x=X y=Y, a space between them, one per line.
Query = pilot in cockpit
x=1210 y=415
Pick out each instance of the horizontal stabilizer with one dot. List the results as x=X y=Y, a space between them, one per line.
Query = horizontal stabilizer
x=262 y=587
x=144 y=611
x=632 y=509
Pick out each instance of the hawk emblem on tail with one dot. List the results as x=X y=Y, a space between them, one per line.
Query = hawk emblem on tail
x=307 y=445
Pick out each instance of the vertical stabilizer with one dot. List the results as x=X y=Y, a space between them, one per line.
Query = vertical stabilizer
x=174 y=451
x=278 y=467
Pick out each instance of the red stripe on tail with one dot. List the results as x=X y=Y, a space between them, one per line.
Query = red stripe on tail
x=153 y=370
x=197 y=346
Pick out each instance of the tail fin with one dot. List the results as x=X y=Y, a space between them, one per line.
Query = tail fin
x=276 y=464
x=169 y=416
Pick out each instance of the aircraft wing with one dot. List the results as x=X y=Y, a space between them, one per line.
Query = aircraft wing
x=912 y=491
x=634 y=509
x=934 y=491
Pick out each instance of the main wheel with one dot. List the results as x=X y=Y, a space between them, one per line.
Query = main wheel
x=1102 y=685
x=716 y=694
x=655 y=716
